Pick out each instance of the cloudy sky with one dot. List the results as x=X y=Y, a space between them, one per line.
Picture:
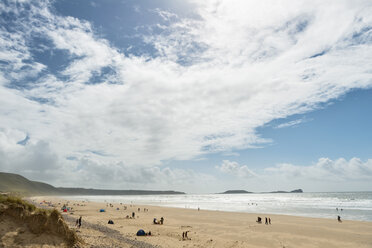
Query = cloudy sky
x=197 y=96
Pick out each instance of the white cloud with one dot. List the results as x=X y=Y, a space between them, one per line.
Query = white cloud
x=217 y=78
x=327 y=170
x=291 y=123
x=233 y=168
x=33 y=159
x=324 y=175
x=36 y=161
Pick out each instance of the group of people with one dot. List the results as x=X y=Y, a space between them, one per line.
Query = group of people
x=184 y=235
x=144 y=209
x=132 y=217
x=267 y=220
x=161 y=221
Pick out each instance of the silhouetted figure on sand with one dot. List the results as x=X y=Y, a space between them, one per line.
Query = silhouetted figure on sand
x=184 y=235
x=259 y=220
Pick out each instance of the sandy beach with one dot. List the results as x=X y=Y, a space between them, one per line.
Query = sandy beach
x=205 y=228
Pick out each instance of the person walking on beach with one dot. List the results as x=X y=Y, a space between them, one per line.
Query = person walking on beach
x=266 y=221
x=133 y=214
x=184 y=235
x=269 y=221
x=79 y=222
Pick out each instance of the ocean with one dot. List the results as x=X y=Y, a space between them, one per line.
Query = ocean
x=349 y=205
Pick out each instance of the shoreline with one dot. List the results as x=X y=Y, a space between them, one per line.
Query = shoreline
x=210 y=228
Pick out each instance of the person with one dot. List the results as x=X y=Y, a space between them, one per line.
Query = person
x=258 y=219
x=133 y=214
x=184 y=235
x=266 y=221
x=269 y=221
x=161 y=221
x=339 y=218
x=79 y=222
x=154 y=221
x=139 y=209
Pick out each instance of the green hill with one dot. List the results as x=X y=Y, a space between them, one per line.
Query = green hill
x=15 y=183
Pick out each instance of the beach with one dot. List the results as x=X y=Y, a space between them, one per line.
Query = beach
x=205 y=228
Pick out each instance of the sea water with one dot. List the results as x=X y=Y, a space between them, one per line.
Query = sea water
x=349 y=205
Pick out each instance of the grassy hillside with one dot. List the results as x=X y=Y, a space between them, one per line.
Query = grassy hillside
x=15 y=183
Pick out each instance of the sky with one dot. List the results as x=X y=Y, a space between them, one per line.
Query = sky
x=196 y=96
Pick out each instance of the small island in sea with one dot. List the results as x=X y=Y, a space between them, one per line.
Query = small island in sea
x=238 y=191
x=293 y=191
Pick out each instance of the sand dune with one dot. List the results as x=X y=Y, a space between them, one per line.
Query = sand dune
x=22 y=225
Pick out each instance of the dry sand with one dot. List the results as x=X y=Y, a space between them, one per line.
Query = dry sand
x=208 y=228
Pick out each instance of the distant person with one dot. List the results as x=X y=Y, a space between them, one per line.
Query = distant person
x=161 y=221
x=155 y=221
x=133 y=214
x=266 y=222
x=259 y=220
x=79 y=222
x=339 y=218
x=139 y=209
x=184 y=235
x=269 y=221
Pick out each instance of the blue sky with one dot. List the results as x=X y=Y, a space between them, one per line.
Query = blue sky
x=187 y=95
